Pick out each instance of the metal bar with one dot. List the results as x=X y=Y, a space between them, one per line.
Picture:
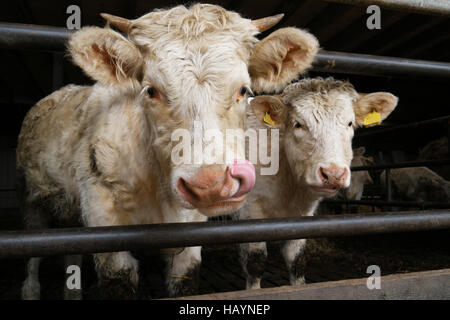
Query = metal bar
x=388 y=185
x=408 y=164
x=171 y=235
x=433 y=7
x=413 y=125
x=33 y=37
x=36 y=37
x=380 y=203
x=448 y=138
x=363 y=64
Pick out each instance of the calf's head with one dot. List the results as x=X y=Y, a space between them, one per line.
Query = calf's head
x=316 y=119
x=190 y=70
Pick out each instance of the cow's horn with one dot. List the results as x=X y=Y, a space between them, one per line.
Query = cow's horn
x=122 y=24
x=268 y=22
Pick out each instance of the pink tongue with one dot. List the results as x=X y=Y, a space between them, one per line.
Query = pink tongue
x=245 y=171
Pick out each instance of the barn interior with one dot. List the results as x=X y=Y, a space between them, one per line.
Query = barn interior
x=29 y=75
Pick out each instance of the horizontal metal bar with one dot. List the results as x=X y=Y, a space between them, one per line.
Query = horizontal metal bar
x=36 y=37
x=112 y=239
x=33 y=37
x=433 y=7
x=363 y=64
x=408 y=164
x=380 y=203
x=414 y=125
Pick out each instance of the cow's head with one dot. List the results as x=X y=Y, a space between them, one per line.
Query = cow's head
x=192 y=69
x=317 y=118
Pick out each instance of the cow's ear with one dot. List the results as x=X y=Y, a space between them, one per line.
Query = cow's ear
x=105 y=55
x=382 y=102
x=269 y=110
x=280 y=57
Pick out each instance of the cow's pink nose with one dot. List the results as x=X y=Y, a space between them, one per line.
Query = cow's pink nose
x=333 y=176
x=211 y=185
x=245 y=172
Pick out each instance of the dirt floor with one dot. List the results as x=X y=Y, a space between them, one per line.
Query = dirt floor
x=328 y=259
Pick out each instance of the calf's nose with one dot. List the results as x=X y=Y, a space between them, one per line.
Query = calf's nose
x=333 y=175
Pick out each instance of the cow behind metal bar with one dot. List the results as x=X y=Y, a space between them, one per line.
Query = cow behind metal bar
x=102 y=154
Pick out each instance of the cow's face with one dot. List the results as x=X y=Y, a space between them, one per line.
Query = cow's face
x=316 y=119
x=191 y=71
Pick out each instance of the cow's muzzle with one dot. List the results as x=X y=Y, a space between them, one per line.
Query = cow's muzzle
x=217 y=191
x=332 y=179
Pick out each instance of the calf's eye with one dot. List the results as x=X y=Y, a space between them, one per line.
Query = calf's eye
x=350 y=123
x=243 y=91
x=298 y=125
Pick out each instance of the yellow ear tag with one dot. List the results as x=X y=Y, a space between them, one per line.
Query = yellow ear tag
x=268 y=119
x=372 y=119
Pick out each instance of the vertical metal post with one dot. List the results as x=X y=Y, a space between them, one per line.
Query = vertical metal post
x=388 y=187
x=448 y=138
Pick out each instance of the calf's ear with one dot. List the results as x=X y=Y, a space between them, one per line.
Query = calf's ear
x=270 y=110
x=105 y=55
x=280 y=57
x=382 y=102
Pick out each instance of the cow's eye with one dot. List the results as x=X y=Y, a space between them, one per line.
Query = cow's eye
x=152 y=93
x=244 y=91
x=298 y=125
x=350 y=123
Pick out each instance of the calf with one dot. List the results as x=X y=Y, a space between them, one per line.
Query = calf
x=316 y=119
x=435 y=150
x=418 y=184
x=104 y=154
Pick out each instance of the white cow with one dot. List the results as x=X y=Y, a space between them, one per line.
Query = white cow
x=316 y=119
x=103 y=154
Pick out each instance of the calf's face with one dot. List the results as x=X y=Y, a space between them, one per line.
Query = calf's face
x=316 y=119
x=189 y=72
